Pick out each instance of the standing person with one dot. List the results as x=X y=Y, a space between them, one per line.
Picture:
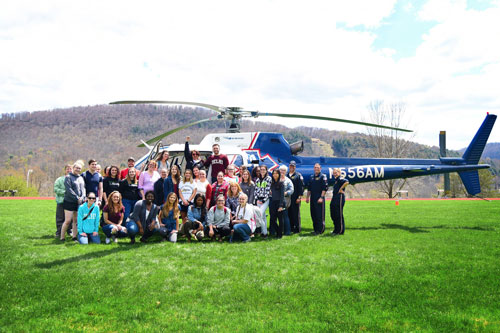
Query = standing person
x=296 y=198
x=219 y=187
x=203 y=186
x=88 y=221
x=129 y=190
x=130 y=164
x=288 y=197
x=112 y=215
x=318 y=185
x=218 y=220
x=158 y=187
x=193 y=158
x=255 y=173
x=110 y=183
x=196 y=173
x=244 y=223
x=169 y=216
x=233 y=194
x=262 y=189
x=171 y=183
x=187 y=191
x=162 y=161
x=93 y=180
x=337 y=203
x=231 y=174
x=59 y=190
x=106 y=171
x=148 y=179
x=218 y=162
x=144 y=216
x=277 y=204
x=74 y=196
x=248 y=186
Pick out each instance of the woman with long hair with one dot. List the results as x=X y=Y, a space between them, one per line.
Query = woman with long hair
x=148 y=179
x=196 y=219
x=277 y=204
x=130 y=192
x=262 y=189
x=233 y=194
x=255 y=173
x=169 y=216
x=196 y=173
x=247 y=185
x=162 y=160
x=74 y=196
x=187 y=191
x=203 y=187
x=111 y=182
x=112 y=214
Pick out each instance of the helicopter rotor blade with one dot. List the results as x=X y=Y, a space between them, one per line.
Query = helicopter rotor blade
x=161 y=136
x=208 y=106
x=289 y=115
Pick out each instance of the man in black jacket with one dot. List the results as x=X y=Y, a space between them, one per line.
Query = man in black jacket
x=296 y=198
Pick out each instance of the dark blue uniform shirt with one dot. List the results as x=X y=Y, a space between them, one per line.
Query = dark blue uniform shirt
x=317 y=184
x=338 y=184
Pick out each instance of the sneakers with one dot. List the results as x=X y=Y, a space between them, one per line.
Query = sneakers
x=108 y=240
x=114 y=239
x=132 y=240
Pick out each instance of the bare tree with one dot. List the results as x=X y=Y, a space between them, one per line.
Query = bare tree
x=388 y=143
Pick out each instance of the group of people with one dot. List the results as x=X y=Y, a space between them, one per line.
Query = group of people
x=165 y=200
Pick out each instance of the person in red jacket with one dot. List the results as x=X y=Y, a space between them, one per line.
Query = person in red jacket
x=217 y=161
x=131 y=164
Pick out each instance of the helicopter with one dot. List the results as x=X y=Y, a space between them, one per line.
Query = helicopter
x=271 y=149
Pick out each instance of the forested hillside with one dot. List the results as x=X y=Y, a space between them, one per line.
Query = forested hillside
x=44 y=141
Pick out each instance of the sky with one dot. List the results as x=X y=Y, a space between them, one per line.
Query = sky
x=441 y=58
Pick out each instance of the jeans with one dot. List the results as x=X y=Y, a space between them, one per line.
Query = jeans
x=263 y=208
x=129 y=207
x=148 y=233
x=243 y=231
x=286 y=220
x=84 y=240
x=132 y=229
x=107 y=231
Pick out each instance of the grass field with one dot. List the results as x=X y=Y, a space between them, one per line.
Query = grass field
x=420 y=266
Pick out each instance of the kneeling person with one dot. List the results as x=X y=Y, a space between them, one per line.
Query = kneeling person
x=244 y=223
x=218 y=219
x=88 y=221
x=144 y=218
x=196 y=219
x=112 y=215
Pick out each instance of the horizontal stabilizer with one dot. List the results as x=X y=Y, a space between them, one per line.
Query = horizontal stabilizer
x=471 y=181
x=476 y=147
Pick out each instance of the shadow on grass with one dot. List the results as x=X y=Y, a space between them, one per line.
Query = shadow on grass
x=419 y=229
x=87 y=256
x=42 y=237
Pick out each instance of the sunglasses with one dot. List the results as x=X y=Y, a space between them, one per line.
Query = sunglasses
x=91 y=198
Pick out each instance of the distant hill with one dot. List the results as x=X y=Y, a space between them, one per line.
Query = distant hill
x=492 y=150
x=46 y=140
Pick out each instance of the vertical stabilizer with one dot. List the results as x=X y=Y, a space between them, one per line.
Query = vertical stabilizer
x=471 y=181
x=476 y=147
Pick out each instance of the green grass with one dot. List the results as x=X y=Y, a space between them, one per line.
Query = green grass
x=421 y=266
